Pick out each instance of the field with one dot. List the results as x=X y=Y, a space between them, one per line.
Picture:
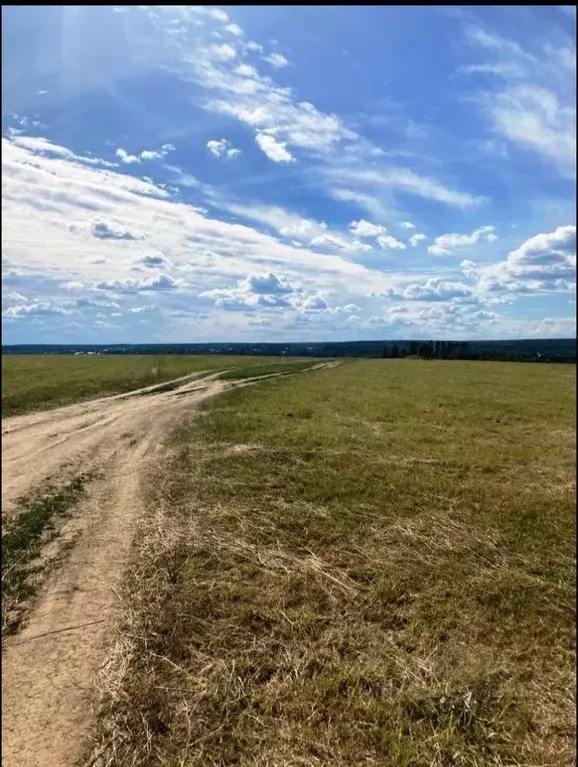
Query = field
x=38 y=382
x=369 y=564
x=366 y=565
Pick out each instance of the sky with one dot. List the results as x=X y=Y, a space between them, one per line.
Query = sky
x=273 y=173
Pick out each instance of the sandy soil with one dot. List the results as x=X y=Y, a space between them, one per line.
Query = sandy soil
x=49 y=668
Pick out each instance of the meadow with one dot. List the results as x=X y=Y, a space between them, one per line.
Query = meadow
x=372 y=564
x=40 y=382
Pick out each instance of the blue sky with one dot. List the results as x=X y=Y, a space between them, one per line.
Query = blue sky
x=206 y=173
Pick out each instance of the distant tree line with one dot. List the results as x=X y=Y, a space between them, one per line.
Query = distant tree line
x=519 y=350
x=460 y=350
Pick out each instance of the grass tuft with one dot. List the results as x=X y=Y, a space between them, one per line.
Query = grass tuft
x=22 y=540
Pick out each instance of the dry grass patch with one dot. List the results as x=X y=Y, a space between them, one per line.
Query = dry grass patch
x=333 y=594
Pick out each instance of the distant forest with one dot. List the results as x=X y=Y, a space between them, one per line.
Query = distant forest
x=525 y=350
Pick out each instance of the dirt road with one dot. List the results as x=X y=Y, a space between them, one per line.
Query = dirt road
x=49 y=668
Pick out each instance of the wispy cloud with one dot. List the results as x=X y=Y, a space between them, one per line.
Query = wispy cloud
x=532 y=104
x=447 y=244
x=342 y=176
x=277 y=60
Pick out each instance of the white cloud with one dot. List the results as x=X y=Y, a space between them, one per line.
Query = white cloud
x=266 y=283
x=220 y=147
x=532 y=104
x=331 y=240
x=40 y=309
x=154 y=261
x=264 y=291
x=277 y=60
x=100 y=249
x=146 y=154
x=314 y=304
x=14 y=297
x=109 y=230
x=234 y=29
x=246 y=70
x=363 y=228
x=218 y=14
x=275 y=150
x=408 y=181
x=543 y=263
x=406 y=225
x=415 y=239
x=279 y=119
x=356 y=182
x=259 y=321
x=434 y=289
x=127 y=158
x=446 y=244
x=534 y=118
x=159 y=282
x=157 y=154
x=223 y=52
x=146 y=309
x=390 y=243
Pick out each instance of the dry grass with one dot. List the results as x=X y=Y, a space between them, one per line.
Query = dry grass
x=371 y=565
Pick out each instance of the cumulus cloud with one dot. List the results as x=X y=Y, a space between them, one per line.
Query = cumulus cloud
x=156 y=261
x=266 y=283
x=314 y=304
x=272 y=292
x=363 y=228
x=158 y=282
x=406 y=225
x=112 y=230
x=390 y=243
x=220 y=147
x=440 y=319
x=415 y=239
x=39 y=309
x=543 y=263
x=275 y=150
x=558 y=247
x=14 y=297
x=446 y=244
x=146 y=154
x=434 y=289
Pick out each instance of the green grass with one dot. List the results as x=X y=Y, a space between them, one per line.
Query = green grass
x=271 y=366
x=22 y=540
x=38 y=382
x=369 y=565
